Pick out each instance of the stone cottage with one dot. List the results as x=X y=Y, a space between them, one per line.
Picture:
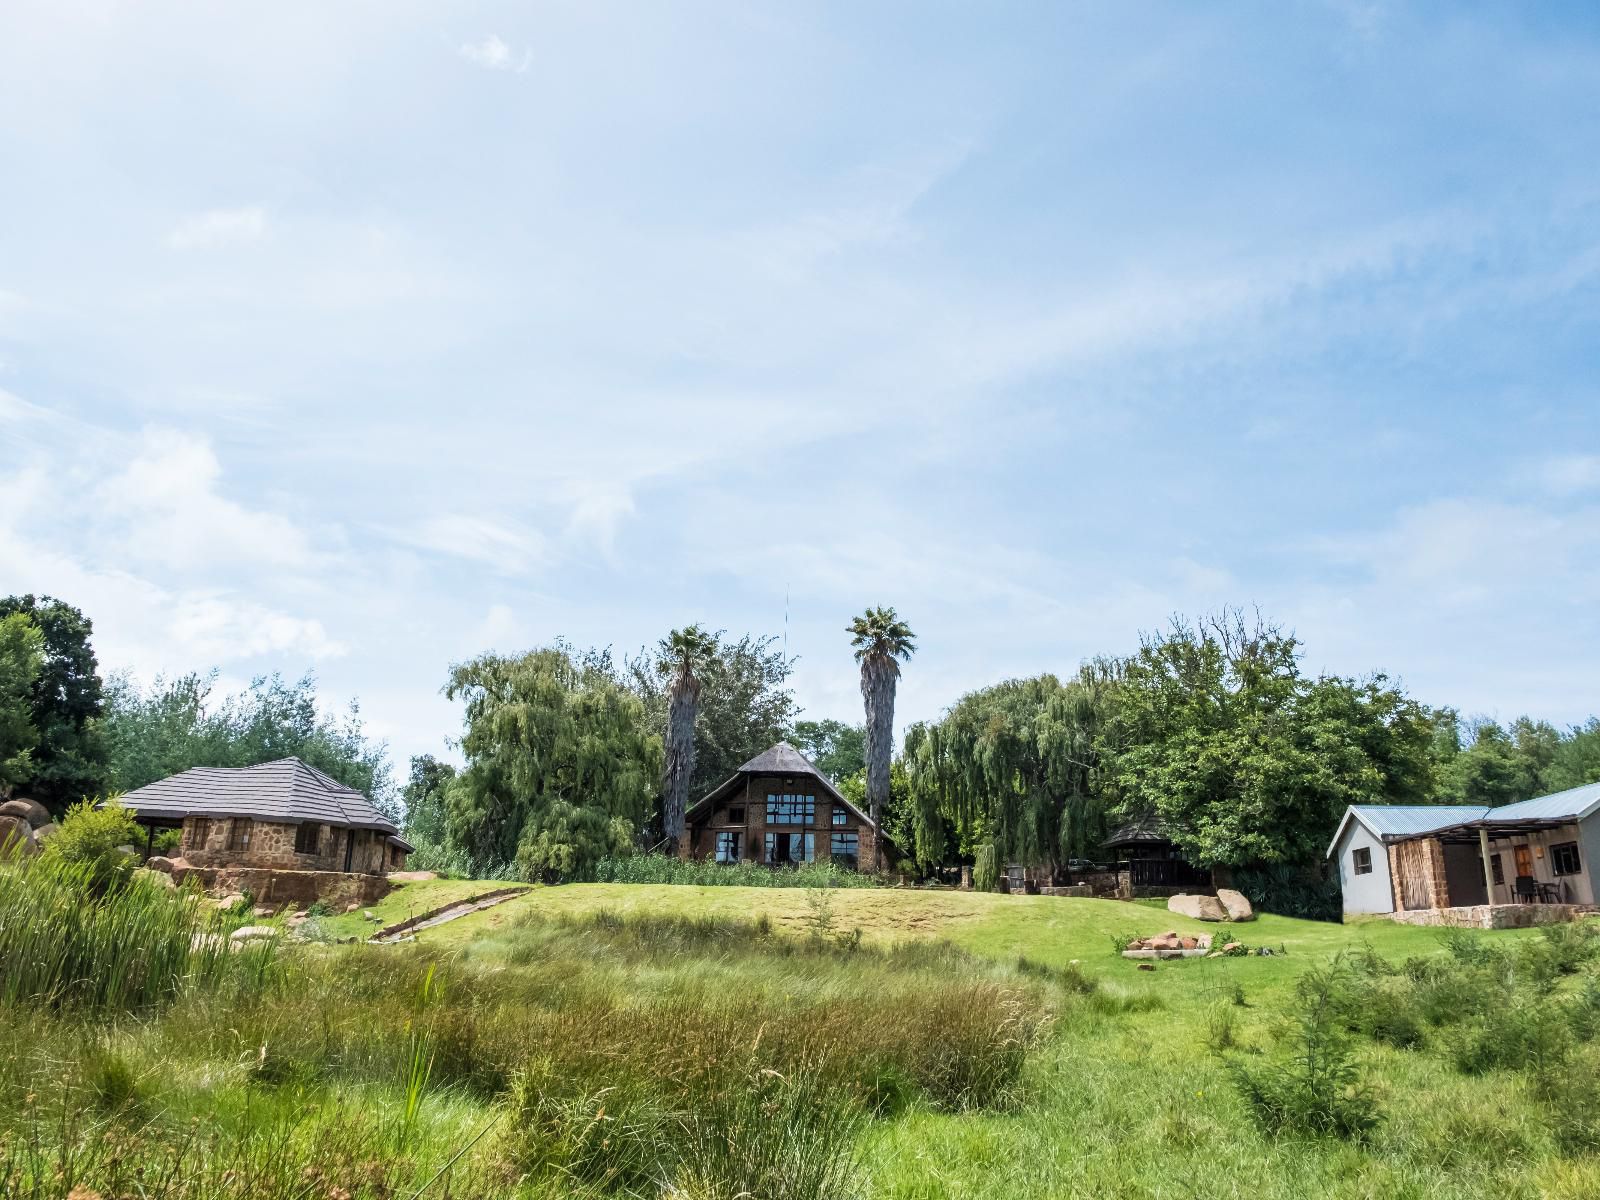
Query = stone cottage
x=779 y=810
x=242 y=824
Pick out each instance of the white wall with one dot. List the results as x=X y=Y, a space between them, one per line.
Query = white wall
x=1370 y=893
x=1579 y=888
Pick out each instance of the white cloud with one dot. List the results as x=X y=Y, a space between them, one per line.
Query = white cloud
x=1570 y=474
x=495 y=55
x=219 y=227
x=169 y=511
x=506 y=547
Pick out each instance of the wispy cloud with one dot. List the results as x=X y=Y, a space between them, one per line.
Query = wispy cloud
x=1570 y=474
x=219 y=227
x=494 y=54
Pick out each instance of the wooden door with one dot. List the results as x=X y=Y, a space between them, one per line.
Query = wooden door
x=1524 y=860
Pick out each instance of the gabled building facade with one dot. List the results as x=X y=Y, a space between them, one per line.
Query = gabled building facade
x=779 y=810
x=1420 y=859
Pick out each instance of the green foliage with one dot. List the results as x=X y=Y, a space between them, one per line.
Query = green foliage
x=560 y=771
x=423 y=799
x=1017 y=764
x=69 y=760
x=986 y=868
x=89 y=837
x=72 y=940
x=1291 y=890
x=1318 y=1089
x=1245 y=760
x=744 y=705
x=838 y=750
x=665 y=868
x=174 y=725
x=882 y=641
x=21 y=660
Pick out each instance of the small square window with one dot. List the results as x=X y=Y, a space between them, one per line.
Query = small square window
x=239 y=833
x=1363 y=860
x=1564 y=859
x=306 y=836
x=1498 y=868
x=841 y=815
x=736 y=813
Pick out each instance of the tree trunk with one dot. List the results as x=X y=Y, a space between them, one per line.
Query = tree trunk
x=877 y=690
x=684 y=705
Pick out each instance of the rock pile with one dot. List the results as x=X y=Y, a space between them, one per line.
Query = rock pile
x=25 y=825
x=1168 y=945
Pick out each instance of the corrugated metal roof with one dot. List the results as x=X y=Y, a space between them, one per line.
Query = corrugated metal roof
x=1574 y=803
x=1409 y=820
x=286 y=790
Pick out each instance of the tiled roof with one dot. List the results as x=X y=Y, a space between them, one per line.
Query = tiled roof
x=781 y=759
x=285 y=790
x=1147 y=828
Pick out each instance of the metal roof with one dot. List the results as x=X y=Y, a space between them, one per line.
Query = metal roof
x=1573 y=804
x=285 y=790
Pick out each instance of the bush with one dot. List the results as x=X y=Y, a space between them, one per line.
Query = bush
x=1290 y=891
x=663 y=868
x=90 y=837
x=1319 y=1089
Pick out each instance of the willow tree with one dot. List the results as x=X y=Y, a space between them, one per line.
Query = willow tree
x=561 y=770
x=680 y=658
x=882 y=642
x=1015 y=767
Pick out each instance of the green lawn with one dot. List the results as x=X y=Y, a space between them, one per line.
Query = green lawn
x=407 y=900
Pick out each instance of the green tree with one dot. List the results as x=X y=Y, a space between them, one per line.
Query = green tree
x=174 y=725
x=882 y=641
x=21 y=659
x=838 y=750
x=69 y=760
x=680 y=658
x=1577 y=758
x=1245 y=760
x=561 y=769
x=745 y=703
x=424 y=799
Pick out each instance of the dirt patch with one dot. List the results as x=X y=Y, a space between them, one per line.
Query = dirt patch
x=447 y=912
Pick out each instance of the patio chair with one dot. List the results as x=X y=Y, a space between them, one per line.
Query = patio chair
x=1527 y=889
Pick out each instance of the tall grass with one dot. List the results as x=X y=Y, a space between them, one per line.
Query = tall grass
x=70 y=938
x=662 y=868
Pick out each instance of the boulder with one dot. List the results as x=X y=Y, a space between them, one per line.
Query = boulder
x=1201 y=908
x=1237 y=907
x=16 y=837
x=254 y=933
x=45 y=832
x=31 y=811
x=159 y=878
x=160 y=863
x=231 y=899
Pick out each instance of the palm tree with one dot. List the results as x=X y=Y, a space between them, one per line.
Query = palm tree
x=680 y=655
x=882 y=642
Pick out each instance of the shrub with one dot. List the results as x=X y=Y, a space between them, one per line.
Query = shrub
x=90 y=837
x=1319 y=1089
x=1290 y=891
x=1528 y=1031
x=986 y=868
x=663 y=868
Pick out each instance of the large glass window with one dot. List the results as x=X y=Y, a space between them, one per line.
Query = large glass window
x=727 y=846
x=784 y=848
x=791 y=810
x=846 y=849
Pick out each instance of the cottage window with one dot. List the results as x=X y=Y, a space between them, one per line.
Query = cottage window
x=1363 y=860
x=1564 y=859
x=736 y=814
x=305 y=838
x=727 y=846
x=846 y=849
x=199 y=831
x=1497 y=868
x=791 y=810
x=239 y=834
x=841 y=815
x=790 y=848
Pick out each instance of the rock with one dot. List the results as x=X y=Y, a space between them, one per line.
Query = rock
x=1171 y=933
x=1189 y=943
x=351 y=907
x=16 y=837
x=1201 y=908
x=45 y=832
x=230 y=899
x=1147 y=966
x=1232 y=948
x=159 y=878
x=368 y=914
x=31 y=811
x=160 y=863
x=263 y=910
x=1235 y=904
x=254 y=933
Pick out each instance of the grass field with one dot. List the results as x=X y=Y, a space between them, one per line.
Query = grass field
x=706 y=1043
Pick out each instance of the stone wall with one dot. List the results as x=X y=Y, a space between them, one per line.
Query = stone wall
x=274 y=888
x=1495 y=916
x=240 y=842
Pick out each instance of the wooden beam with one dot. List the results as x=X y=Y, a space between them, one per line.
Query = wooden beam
x=1488 y=871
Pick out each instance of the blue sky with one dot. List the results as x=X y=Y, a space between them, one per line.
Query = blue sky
x=360 y=338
